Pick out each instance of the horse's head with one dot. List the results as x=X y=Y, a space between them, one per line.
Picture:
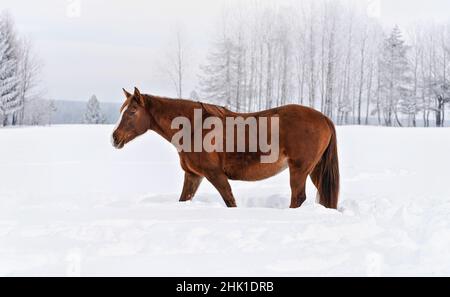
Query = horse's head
x=134 y=119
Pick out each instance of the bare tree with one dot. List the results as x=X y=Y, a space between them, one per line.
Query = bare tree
x=363 y=49
x=176 y=64
x=30 y=67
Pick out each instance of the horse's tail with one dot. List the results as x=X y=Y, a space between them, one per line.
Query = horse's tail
x=326 y=173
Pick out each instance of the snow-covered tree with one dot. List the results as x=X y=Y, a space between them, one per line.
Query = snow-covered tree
x=441 y=93
x=219 y=74
x=10 y=102
x=395 y=77
x=38 y=112
x=93 y=114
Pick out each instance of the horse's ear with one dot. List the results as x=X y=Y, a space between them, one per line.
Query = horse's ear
x=137 y=93
x=128 y=95
x=139 y=97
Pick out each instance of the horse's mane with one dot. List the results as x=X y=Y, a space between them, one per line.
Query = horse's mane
x=214 y=110
x=209 y=109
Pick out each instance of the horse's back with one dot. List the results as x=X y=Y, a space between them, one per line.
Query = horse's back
x=300 y=111
x=292 y=117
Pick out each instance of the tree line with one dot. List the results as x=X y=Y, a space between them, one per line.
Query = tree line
x=331 y=56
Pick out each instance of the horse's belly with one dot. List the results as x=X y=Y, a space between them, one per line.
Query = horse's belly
x=255 y=171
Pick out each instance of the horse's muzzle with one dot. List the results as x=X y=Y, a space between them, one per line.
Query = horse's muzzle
x=117 y=142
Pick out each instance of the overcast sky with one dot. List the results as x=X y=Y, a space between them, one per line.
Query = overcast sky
x=107 y=45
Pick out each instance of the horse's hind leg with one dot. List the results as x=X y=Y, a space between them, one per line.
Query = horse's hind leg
x=298 y=174
x=220 y=182
x=190 y=186
x=315 y=178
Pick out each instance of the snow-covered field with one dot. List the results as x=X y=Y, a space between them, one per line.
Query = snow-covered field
x=70 y=204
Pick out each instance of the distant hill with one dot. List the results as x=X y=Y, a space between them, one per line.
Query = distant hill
x=72 y=112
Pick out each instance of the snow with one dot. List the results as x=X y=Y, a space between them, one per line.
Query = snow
x=70 y=204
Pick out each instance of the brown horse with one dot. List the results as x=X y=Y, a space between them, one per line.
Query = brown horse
x=307 y=146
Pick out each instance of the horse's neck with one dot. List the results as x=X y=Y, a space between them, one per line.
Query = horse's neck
x=160 y=118
x=163 y=111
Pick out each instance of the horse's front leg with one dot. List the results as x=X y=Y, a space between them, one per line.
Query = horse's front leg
x=190 y=186
x=220 y=182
